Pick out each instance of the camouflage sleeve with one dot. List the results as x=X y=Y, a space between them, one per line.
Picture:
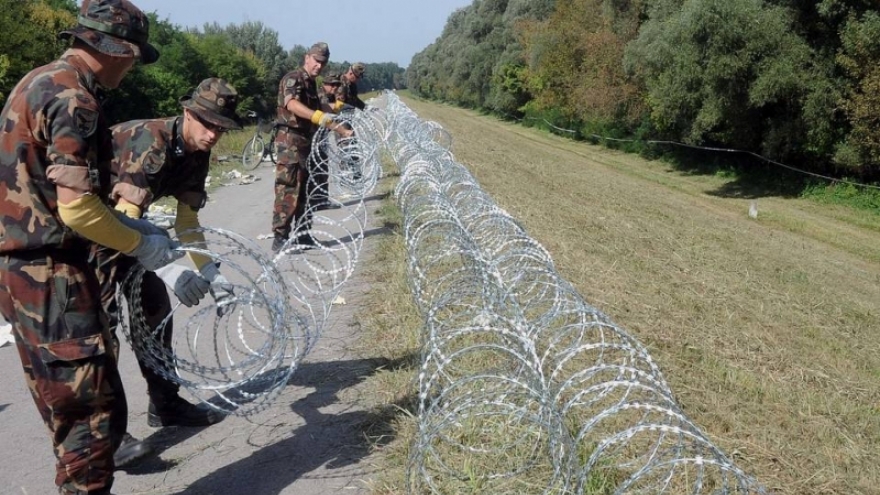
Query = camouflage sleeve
x=339 y=93
x=69 y=126
x=192 y=191
x=353 y=98
x=293 y=88
x=137 y=196
x=135 y=153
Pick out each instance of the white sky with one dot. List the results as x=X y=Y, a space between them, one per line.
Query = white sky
x=356 y=30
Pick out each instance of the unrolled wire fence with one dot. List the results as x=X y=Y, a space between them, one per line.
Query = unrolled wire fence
x=524 y=387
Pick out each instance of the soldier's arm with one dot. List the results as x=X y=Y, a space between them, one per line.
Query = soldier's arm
x=318 y=117
x=71 y=124
x=185 y=223
x=131 y=189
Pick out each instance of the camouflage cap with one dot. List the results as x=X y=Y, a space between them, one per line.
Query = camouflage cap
x=332 y=79
x=114 y=27
x=214 y=101
x=320 y=50
x=358 y=69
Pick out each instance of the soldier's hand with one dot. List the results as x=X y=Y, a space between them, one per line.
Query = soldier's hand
x=187 y=285
x=221 y=289
x=156 y=251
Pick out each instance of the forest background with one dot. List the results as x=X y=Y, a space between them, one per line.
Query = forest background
x=248 y=55
x=796 y=82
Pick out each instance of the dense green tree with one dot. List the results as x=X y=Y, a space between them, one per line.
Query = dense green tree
x=256 y=38
x=730 y=72
x=478 y=49
x=28 y=40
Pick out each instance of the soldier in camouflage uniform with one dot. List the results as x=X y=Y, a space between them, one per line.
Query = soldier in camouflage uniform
x=319 y=182
x=348 y=90
x=169 y=157
x=347 y=95
x=54 y=168
x=299 y=114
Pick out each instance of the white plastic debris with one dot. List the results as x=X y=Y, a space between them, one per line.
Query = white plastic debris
x=6 y=334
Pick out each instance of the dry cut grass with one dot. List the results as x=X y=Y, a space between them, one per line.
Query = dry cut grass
x=767 y=329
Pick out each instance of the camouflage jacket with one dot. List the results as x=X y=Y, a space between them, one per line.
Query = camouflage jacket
x=52 y=133
x=348 y=94
x=325 y=97
x=150 y=162
x=297 y=85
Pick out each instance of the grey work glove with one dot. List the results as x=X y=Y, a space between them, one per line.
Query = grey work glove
x=145 y=227
x=221 y=289
x=156 y=251
x=187 y=285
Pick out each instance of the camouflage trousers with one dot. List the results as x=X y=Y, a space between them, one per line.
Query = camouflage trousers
x=111 y=269
x=291 y=179
x=51 y=298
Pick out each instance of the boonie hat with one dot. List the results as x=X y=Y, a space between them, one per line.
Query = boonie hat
x=114 y=27
x=358 y=69
x=320 y=50
x=332 y=79
x=214 y=100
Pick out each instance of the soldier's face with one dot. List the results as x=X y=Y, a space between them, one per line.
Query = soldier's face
x=199 y=134
x=313 y=66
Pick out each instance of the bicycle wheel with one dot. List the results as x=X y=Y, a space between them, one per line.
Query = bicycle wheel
x=272 y=152
x=252 y=154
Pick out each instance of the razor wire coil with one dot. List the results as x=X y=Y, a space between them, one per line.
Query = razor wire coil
x=237 y=355
x=523 y=386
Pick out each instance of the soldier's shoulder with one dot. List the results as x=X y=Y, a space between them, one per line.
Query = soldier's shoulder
x=145 y=129
x=135 y=139
x=58 y=82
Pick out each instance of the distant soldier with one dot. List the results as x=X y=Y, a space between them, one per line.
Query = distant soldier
x=319 y=182
x=55 y=154
x=329 y=87
x=348 y=90
x=153 y=159
x=299 y=114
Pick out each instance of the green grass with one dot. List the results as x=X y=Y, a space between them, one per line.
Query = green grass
x=765 y=328
x=862 y=198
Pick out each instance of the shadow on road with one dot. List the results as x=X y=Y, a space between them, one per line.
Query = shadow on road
x=334 y=440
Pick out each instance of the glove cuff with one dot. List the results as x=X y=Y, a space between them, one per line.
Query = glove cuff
x=210 y=271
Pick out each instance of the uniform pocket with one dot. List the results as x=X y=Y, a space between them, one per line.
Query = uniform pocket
x=72 y=378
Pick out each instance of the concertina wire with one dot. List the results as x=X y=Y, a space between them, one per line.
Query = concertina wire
x=523 y=386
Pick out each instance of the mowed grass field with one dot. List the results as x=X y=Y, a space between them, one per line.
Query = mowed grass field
x=767 y=329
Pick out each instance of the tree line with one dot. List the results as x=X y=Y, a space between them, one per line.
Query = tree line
x=248 y=55
x=790 y=80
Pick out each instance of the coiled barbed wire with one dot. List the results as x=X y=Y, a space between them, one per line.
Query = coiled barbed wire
x=524 y=387
x=238 y=354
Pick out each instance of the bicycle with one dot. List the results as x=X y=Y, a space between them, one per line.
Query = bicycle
x=258 y=149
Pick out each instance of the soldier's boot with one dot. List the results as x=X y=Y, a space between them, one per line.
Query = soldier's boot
x=175 y=411
x=278 y=243
x=307 y=241
x=130 y=450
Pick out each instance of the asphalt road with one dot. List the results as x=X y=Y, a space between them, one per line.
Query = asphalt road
x=310 y=441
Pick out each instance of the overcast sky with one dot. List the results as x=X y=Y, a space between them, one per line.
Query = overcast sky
x=357 y=30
